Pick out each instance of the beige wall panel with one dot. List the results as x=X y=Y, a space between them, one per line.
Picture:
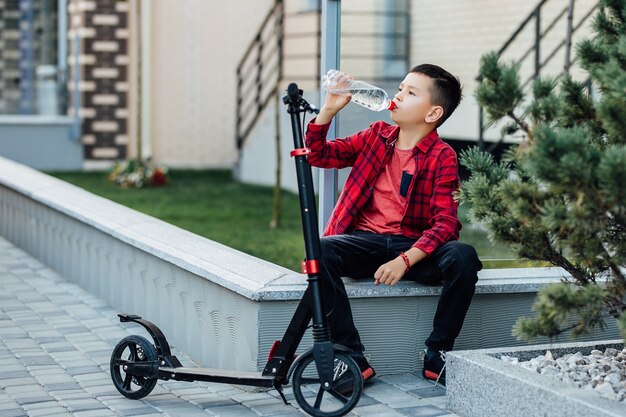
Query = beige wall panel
x=195 y=53
x=455 y=33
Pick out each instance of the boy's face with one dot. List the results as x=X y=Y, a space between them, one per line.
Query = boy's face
x=413 y=101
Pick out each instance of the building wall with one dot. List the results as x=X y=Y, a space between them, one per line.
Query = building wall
x=455 y=33
x=193 y=81
x=195 y=52
x=101 y=28
x=9 y=56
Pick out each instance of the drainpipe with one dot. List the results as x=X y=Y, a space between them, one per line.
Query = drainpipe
x=146 y=59
x=62 y=55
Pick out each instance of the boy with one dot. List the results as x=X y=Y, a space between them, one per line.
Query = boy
x=396 y=217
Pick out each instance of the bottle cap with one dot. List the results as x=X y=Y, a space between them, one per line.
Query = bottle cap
x=392 y=105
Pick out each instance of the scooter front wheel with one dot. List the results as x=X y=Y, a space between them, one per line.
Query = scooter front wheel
x=336 y=401
x=130 y=351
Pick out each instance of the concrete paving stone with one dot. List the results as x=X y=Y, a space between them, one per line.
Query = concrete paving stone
x=380 y=390
x=437 y=401
x=267 y=406
x=407 y=382
x=71 y=356
x=174 y=385
x=96 y=376
x=376 y=410
x=58 y=346
x=253 y=396
x=25 y=399
x=83 y=405
x=19 y=389
x=19 y=382
x=431 y=391
x=424 y=411
x=212 y=402
x=232 y=411
x=12 y=333
x=190 y=389
x=153 y=414
x=82 y=370
x=363 y=401
x=13 y=412
x=13 y=374
x=139 y=411
x=46 y=369
x=96 y=347
x=4 y=362
x=99 y=390
x=63 y=386
x=183 y=409
x=49 y=412
x=40 y=405
x=95 y=413
x=69 y=395
x=50 y=380
x=403 y=401
x=38 y=360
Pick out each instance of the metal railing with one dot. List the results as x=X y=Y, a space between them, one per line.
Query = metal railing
x=259 y=72
x=535 y=49
x=265 y=63
x=394 y=32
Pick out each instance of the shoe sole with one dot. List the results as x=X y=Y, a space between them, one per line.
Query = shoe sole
x=432 y=376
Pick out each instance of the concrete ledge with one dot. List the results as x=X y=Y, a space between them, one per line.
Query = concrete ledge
x=42 y=142
x=481 y=385
x=221 y=306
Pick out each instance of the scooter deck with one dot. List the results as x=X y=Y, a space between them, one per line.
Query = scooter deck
x=217 y=375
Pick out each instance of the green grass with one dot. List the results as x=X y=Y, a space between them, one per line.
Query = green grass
x=211 y=204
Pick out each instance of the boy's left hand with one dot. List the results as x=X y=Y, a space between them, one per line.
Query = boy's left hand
x=390 y=273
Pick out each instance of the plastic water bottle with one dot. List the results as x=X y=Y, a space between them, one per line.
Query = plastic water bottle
x=364 y=94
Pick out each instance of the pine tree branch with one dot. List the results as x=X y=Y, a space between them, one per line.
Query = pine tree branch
x=619 y=276
x=522 y=124
x=615 y=306
x=556 y=258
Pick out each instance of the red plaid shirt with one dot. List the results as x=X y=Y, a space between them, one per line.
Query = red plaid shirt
x=431 y=212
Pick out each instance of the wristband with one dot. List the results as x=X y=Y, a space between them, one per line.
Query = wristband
x=406 y=261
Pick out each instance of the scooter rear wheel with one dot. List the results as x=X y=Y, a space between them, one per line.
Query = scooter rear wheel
x=334 y=402
x=132 y=349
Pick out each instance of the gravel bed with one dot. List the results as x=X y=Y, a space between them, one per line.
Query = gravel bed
x=601 y=372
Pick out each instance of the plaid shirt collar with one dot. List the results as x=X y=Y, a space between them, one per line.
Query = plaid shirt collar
x=390 y=133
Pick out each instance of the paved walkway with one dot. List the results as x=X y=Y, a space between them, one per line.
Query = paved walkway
x=56 y=340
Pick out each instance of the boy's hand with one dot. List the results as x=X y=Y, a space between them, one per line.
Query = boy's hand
x=390 y=273
x=337 y=98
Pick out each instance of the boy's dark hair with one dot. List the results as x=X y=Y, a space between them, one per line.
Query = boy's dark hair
x=446 y=91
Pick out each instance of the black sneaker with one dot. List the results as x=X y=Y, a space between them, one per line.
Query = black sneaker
x=435 y=366
x=344 y=381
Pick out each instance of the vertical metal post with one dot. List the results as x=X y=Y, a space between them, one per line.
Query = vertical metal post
x=331 y=31
x=481 y=127
x=568 y=37
x=537 y=40
x=27 y=57
x=62 y=55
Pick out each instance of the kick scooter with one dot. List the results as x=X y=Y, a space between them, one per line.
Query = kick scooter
x=137 y=364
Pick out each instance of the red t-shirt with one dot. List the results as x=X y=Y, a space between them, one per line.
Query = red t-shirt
x=384 y=211
x=431 y=211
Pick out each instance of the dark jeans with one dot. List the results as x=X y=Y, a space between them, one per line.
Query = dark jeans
x=359 y=254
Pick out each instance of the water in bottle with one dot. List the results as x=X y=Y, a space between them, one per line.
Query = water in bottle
x=364 y=94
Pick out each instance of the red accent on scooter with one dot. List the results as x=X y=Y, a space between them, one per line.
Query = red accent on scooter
x=301 y=152
x=310 y=267
x=273 y=349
